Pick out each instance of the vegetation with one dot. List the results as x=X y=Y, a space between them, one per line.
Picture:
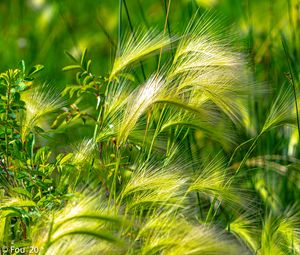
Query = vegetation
x=187 y=145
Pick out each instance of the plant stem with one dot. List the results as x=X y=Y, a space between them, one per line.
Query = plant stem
x=165 y=29
x=120 y=24
x=133 y=34
x=100 y=109
x=237 y=148
x=192 y=156
x=156 y=132
x=235 y=174
x=292 y=81
x=8 y=95
x=211 y=208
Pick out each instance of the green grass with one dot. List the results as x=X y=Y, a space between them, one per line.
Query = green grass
x=179 y=138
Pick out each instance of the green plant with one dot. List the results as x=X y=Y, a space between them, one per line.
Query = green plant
x=164 y=158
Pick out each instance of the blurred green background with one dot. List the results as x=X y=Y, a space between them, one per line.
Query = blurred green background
x=39 y=31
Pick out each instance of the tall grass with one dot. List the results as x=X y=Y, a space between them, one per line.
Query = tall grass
x=167 y=156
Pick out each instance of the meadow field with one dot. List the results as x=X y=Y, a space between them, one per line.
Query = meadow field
x=149 y=127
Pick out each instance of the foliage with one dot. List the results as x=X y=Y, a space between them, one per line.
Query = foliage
x=179 y=149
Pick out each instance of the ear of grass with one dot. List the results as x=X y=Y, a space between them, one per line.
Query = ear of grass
x=280 y=234
x=169 y=234
x=99 y=235
x=39 y=102
x=245 y=228
x=212 y=184
x=85 y=222
x=281 y=111
x=214 y=127
x=155 y=187
x=205 y=66
x=15 y=202
x=87 y=216
x=83 y=152
x=136 y=48
x=138 y=102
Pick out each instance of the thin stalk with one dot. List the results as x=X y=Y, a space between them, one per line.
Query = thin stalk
x=6 y=122
x=147 y=127
x=237 y=171
x=134 y=37
x=67 y=23
x=109 y=38
x=100 y=110
x=289 y=4
x=113 y=191
x=141 y=11
x=192 y=156
x=237 y=148
x=6 y=137
x=292 y=81
x=169 y=142
x=156 y=132
x=165 y=29
x=235 y=174
x=247 y=154
x=158 y=68
x=113 y=185
x=120 y=24
x=211 y=208
x=168 y=23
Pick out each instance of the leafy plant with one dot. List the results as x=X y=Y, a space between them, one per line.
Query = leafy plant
x=157 y=156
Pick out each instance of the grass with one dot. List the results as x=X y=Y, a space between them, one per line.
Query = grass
x=187 y=145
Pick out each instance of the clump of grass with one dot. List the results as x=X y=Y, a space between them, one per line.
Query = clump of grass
x=145 y=178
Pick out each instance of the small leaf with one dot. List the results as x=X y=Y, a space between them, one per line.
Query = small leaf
x=88 y=65
x=66 y=158
x=83 y=57
x=35 y=69
x=83 y=74
x=71 y=67
x=22 y=65
x=87 y=79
